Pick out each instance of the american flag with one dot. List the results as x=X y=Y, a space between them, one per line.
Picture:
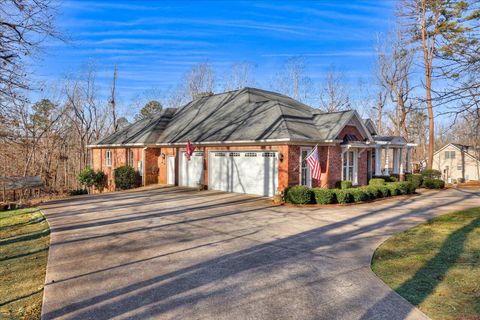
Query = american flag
x=314 y=163
x=189 y=150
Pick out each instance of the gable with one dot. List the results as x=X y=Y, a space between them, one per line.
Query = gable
x=354 y=128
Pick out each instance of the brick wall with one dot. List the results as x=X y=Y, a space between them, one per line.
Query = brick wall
x=119 y=158
x=155 y=166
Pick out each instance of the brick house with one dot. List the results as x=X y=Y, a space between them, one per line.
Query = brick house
x=250 y=141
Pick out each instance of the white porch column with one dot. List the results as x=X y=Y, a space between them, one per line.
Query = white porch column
x=400 y=161
x=378 y=161
x=395 y=160
x=408 y=164
x=385 y=171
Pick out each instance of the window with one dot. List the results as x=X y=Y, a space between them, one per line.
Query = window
x=250 y=154
x=349 y=166
x=130 y=158
x=268 y=154
x=108 y=158
x=449 y=154
x=234 y=154
x=305 y=171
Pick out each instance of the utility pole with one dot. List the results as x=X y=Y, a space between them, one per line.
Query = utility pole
x=112 y=100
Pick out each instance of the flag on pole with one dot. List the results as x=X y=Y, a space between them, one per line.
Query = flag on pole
x=189 y=150
x=314 y=163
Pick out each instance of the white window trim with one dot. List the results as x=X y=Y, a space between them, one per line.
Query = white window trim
x=309 y=173
x=108 y=159
x=131 y=156
x=355 y=165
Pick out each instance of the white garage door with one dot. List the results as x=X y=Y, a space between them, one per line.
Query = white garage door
x=243 y=172
x=191 y=172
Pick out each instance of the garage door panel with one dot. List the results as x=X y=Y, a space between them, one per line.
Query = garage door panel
x=244 y=172
x=191 y=171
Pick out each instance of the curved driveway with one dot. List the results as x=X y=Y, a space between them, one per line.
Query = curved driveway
x=172 y=253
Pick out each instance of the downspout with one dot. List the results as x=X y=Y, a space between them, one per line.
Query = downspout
x=143 y=166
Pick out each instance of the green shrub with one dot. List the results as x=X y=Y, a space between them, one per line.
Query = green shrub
x=324 y=196
x=125 y=177
x=411 y=186
x=438 y=184
x=433 y=183
x=427 y=183
x=431 y=174
x=345 y=184
x=78 y=192
x=100 y=180
x=298 y=195
x=403 y=187
x=394 y=188
x=376 y=181
x=359 y=194
x=374 y=191
x=386 y=178
x=344 y=195
x=385 y=191
x=89 y=178
x=416 y=179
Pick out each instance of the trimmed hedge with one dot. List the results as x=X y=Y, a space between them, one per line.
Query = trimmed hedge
x=376 y=181
x=324 y=196
x=304 y=195
x=359 y=194
x=344 y=196
x=431 y=174
x=298 y=195
x=416 y=179
x=433 y=183
x=386 y=178
x=125 y=177
x=374 y=191
x=345 y=184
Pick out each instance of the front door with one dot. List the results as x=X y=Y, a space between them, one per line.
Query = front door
x=305 y=171
x=171 y=170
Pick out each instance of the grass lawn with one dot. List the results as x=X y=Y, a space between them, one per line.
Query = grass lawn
x=436 y=265
x=24 y=240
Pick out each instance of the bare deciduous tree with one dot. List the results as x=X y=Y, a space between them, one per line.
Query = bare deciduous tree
x=394 y=64
x=334 y=94
x=239 y=75
x=24 y=25
x=292 y=79
x=200 y=79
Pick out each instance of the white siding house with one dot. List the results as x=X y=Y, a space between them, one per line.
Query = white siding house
x=457 y=162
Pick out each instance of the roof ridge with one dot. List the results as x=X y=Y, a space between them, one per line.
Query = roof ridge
x=282 y=115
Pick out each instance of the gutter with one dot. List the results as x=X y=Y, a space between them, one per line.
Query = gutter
x=220 y=143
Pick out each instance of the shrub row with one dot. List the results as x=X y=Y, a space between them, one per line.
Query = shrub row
x=427 y=179
x=305 y=195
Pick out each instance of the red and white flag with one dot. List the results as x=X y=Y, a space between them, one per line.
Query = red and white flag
x=189 y=150
x=314 y=163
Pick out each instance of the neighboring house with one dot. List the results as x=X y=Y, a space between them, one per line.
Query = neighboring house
x=250 y=141
x=457 y=162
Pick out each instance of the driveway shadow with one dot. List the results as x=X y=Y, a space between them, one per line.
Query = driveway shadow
x=222 y=278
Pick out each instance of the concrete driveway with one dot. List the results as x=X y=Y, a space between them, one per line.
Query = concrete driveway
x=173 y=253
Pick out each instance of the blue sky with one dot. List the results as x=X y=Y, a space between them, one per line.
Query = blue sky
x=153 y=43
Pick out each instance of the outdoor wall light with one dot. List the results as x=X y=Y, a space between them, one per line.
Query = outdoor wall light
x=280 y=157
x=163 y=156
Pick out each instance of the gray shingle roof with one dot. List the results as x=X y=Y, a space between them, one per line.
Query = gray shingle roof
x=248 y=114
